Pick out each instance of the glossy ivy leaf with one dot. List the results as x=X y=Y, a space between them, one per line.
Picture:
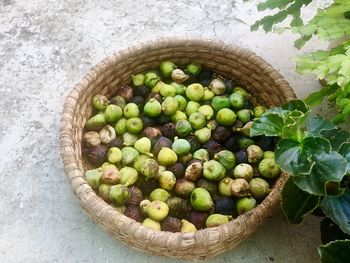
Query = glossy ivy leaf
x=293 y=123
x=268 y=124
x=316 y=125
x=335 y=252
x=296 y=203
x=330 y=231
x=345 y=152
x=338 y=209
x=295 y=157
x=296 y=105
x=336 y=137
x=327 y=167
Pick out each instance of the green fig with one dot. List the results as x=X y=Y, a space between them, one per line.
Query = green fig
x=157 y=210
x=240 y=187
x=210 y=186
x=128 y=176
x=149 y=168
x=206 y=111
x=185 y=158
x=255 y=153
x=268 y=168
x=259 y=188
x=167 y=156
x=170 y=106
x=203 y=134
x=180 y=89
x=119 y=194
x=208 y=94
x=152 y=224
x=226 y=117
x=182 y=102
x=225 y=186
x=243 y=170
x=201 y=154
x=226 y=158
x=114 y=155
x=129 y=139
x=131 y=110
x=183 y=128
x=215 y=220
x=152 y=108
x=258 y=111
x=241 y=91
x=95 y=123
x=194 y=68
x=195 y=92
x=192 y=107
x=179 y=115
x=244 y=115
x=113 y=113
x=156 y=88
x=212 y=125
x=144 y=205
x=103 y=192
x=187 y=227
x=134 y=125
x=139 y=160
x=220 y=102
x=100 y=102
x=138 y=79
x=118 y=101
x=245 y=142
x=120 y=126
x=197 y=120
x=269 y=155
x=143 y=146
x=245 y=204
x=166 y=68
x=194 y=171
x=237 y=100
x=167 y=180
x=181 y=146
x=167 y=90
x=151 y=79
x=129 y=154
x=217 y=86
x=245 y=130
x=93 y=177
x=201 y=200
x=179 y=76
x=159 y=194
x=213 y=170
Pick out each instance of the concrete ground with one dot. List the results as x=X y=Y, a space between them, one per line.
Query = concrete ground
x=45 y=47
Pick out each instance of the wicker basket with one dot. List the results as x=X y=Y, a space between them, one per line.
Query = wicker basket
x=230 y=61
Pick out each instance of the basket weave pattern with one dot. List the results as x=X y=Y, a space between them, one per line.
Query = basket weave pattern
x=230 y=61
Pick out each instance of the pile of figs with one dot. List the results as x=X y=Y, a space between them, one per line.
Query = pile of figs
x=173 y=149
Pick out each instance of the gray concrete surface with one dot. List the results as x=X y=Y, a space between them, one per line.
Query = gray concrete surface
x=45 y=47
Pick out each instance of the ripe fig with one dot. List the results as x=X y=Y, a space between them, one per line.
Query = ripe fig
x=171 y=224
x=157 y=210
x=168 y=130
x=178 y=169
x=198 y=219
x=184 y=188
x=133 y=212
x=201 y=200
x=194 y=171
x=221 y=134
x=187 y=227
x=178 y=207
x=215 y=220
x=240 y=187
x=161 y=142
x=136 y=196
x=224 y=206
x=95 y=155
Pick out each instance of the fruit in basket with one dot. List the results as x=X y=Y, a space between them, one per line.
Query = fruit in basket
x=119 y=194
x=268 y=168
x=201 y=200
x=176 y=138
x=157 y=210
x=100 y=102
x=217 y=219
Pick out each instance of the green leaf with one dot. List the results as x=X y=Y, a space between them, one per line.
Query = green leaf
x=317 y=97
x=293 y=124
x=295 y=105
x=345 y=152
x=268 y=124
x=338 y=209
x=296 y=203
x=295 y=157
x=335 y=252
x=336 y=137
x=315 y=126
x=327 y=167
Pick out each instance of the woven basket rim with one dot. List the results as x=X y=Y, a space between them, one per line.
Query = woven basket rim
x=85 y=195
